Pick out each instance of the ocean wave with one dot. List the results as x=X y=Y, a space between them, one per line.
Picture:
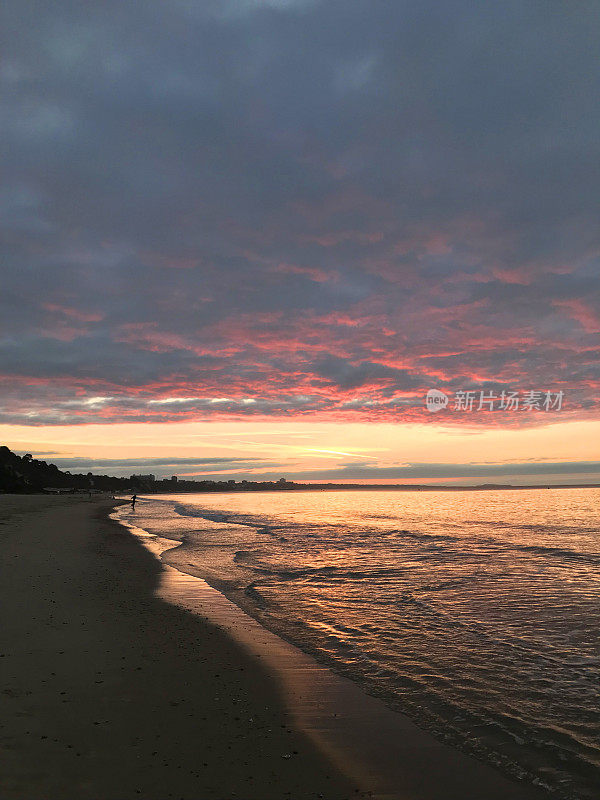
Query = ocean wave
x=211 y=516
x=560 y=553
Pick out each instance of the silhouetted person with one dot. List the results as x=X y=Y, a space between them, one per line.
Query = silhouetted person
x=133 y=499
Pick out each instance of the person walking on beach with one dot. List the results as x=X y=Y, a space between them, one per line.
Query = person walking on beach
x=133 y=499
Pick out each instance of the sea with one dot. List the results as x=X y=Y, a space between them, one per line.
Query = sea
x=475 y=613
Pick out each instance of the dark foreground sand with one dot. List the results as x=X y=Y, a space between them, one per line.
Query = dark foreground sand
x=109 y=693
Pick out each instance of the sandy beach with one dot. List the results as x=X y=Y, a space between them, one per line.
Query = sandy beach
x=110 y=692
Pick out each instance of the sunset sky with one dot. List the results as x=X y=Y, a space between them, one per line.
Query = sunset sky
x=244 y=238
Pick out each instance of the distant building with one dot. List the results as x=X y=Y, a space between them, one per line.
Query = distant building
x=282 y=480
x=143 y=478
x=174 y=478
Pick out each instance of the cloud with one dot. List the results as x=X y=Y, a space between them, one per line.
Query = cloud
x=324 y=207
x=451 y=471
x=162 y=467
x=240 y=468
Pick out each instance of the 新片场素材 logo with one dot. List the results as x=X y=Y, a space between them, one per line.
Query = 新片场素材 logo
x=507 y=400
x=436 y=400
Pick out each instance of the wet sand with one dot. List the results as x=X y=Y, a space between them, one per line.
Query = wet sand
x=107 y=692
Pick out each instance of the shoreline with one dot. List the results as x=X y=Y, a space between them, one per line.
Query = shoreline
x=382 y=750
x=110 y=693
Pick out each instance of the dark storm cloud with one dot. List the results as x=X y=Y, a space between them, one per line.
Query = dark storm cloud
x=319 y=206
x=347 y=375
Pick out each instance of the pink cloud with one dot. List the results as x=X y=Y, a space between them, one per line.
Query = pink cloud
x=318 y=275
x=73 y=313
x=582 y=312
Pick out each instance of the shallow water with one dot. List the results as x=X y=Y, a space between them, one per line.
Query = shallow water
x=476 y=613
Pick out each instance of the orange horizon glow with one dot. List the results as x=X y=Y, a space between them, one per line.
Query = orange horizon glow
x=291 y=448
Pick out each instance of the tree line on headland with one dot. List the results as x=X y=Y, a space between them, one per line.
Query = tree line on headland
x=25 y=474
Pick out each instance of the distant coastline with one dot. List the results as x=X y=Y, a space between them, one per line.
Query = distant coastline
x=27 y=475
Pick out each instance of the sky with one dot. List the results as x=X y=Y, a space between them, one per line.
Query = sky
x=245 y=238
